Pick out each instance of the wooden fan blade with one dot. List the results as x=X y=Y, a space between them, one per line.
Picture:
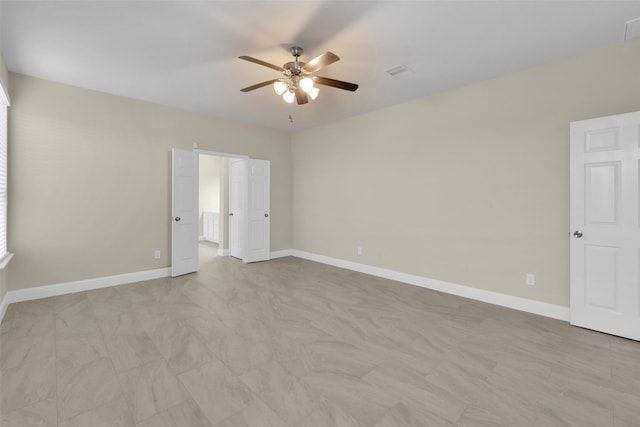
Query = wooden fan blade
x=260 y=62
x=301 y=96
x=320 y=62
x=335 y=83
x=259 y=85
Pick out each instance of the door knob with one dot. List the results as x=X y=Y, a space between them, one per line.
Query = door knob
x=266 y=215
x=577 y=234
x=230 y=213
x=178 y=218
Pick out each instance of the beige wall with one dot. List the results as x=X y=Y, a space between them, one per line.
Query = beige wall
x=4 y=81
x=90 y=179
x=469 y=186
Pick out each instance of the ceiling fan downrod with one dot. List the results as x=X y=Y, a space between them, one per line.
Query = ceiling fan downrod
x=296 y=51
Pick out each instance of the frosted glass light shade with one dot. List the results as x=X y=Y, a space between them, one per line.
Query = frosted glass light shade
x=313 y=93
x=288 y=96
x=280 y=87
x=306 y=84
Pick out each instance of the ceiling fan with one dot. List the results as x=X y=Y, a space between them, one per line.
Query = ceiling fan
x=298 y=79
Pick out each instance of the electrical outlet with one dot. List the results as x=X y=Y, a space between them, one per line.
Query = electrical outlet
x=530 y=279
x=156 y=254
x=359 y=250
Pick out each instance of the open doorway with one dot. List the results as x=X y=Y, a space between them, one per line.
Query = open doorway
x=250 y=201
x=213 y=201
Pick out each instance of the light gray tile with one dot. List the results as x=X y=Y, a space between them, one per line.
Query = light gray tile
x=135 y=293
x=69 y=323
x=625 y=347
x=16 y=352
x=257 y=413
x=72 y=303
x=28 y=383
x=17 y=326
x=112 y=414
x=130 y=350
x=402 y=415
x=177 y=304
x=150 y=389
x=619 y=422
x=185 y=414
x=328 y=414
x=287 y=395
x=79 y=349
x=109 y=302
x=626 y=410
x=209 y=328
x=625 y=373
x=253 y=328
x=37 y=308
x=342 y=357
x=128 y=322
x=362 y=401
x=498 y=405
x=412 y=389
x=180 y=345
x=566 y=416
x=40 y=414
x=314 y=346
x=86 y=387
x=216 y=390
x=242 y=355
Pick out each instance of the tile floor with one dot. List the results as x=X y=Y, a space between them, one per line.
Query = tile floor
x=295 y=343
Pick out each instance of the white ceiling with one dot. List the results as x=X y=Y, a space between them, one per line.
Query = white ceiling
x=184 y=53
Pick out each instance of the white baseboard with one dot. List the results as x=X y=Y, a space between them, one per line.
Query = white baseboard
x=80 y=286
x=3 y=307
x=281 y=254
x=206 y=239
x=272 y=255
x=523 y=304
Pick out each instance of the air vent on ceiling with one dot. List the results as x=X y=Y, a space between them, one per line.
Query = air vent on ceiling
x=399 y=70
x=632 y=29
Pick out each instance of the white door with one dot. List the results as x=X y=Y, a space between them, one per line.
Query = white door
x=237 y=179
x=184 y=215
x=257 y=243
x=605 y=225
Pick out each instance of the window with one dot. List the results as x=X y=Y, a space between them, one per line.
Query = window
x=4 y=104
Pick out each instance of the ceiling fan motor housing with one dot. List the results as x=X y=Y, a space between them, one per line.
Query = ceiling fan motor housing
x=293 y=68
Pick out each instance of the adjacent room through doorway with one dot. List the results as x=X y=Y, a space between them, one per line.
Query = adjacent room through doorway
x=213 y=198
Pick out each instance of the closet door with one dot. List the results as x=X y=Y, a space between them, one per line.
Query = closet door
x=605 y=225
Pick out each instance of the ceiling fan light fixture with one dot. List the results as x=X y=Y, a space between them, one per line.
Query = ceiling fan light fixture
x=298 y=81
x=289 y=96
x=306 y=84
x=280 y=87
